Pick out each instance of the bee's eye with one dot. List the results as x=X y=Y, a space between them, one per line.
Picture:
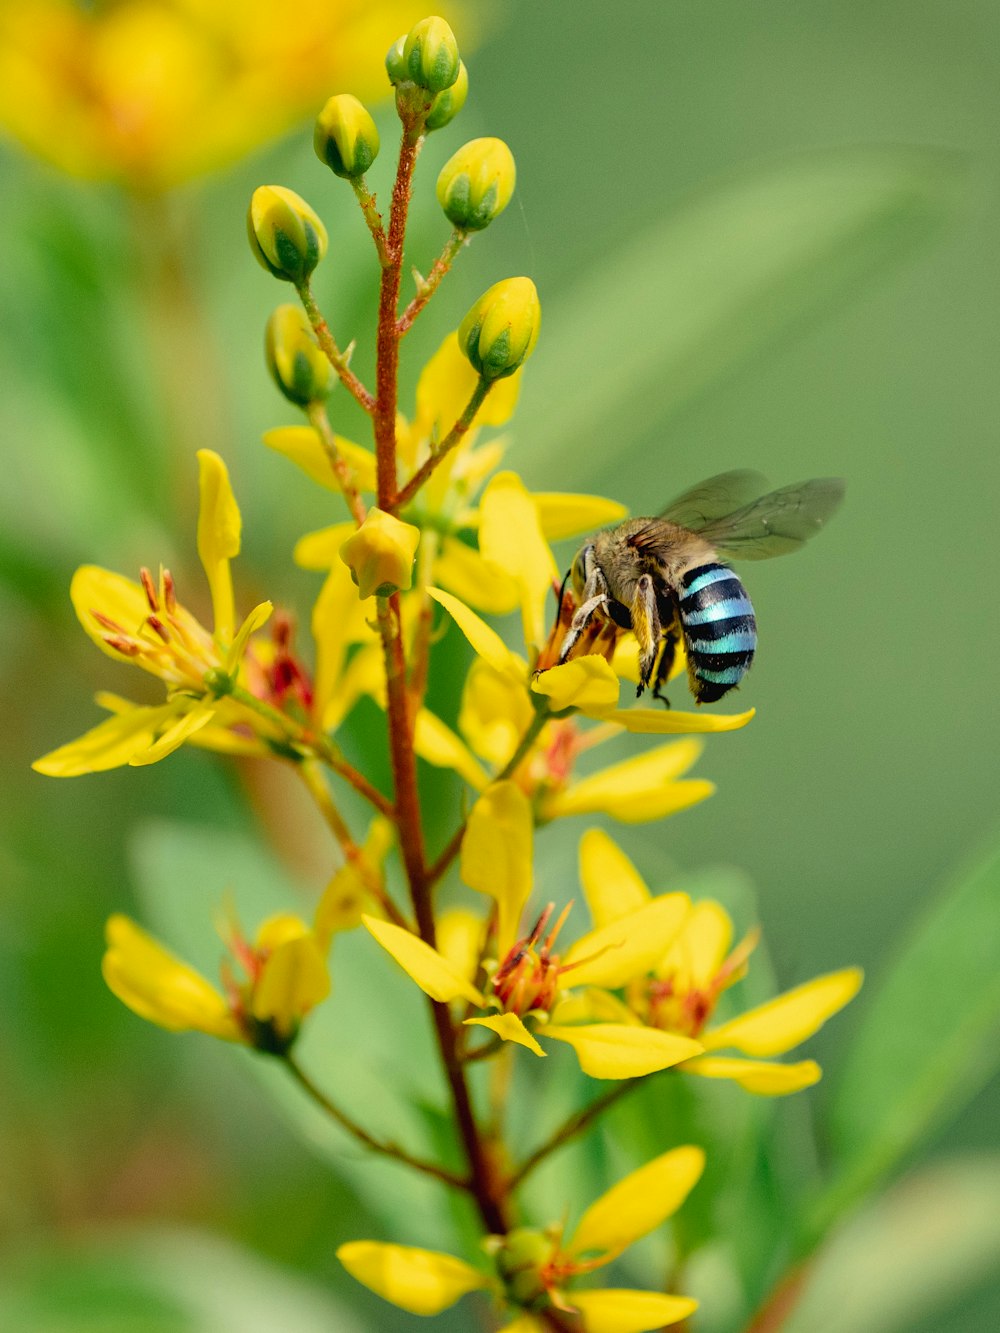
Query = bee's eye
x=578 y=574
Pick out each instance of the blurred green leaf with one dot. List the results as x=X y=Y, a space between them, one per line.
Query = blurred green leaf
x=928 y=1040
x=682 y=305
x=900 y=1261
x=162 y=1282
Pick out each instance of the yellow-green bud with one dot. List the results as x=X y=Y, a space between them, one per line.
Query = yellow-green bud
x=285 y=234
x=345 y=137
x=500 y=331
x=520 y=1261
x=297 y=366
x=430 y=55
x=380 y=554
x=448 y=104
x=477 y=183
x=395 y=66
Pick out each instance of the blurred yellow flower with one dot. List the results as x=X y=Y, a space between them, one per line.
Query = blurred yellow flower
x=153 y=92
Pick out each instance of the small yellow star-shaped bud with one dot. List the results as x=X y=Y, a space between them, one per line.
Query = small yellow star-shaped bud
x=380 y=554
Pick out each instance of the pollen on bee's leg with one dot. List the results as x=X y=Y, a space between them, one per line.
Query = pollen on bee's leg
x=149 y=588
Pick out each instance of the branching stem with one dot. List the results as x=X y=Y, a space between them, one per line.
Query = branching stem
x=442 y=450
x=320 y=422
x=570 y=1128
x=373 y=218
x=334 y=355
x=429 y=285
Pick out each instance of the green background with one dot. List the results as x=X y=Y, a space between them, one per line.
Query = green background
x=871 y=769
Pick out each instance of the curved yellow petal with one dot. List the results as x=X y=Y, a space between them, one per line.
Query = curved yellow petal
x=122 y=600
x=510 y=537
x=497 y=853
x=175 y=734
x=621 y=1310
x=110 y=744
x=486 y=641
x=293 y=980
x=219 y=526
x=665 y=722
x=303 y=446
x=638 y=789
x=701 y=946
x=434 y=974
x=424 y=1282
x=460 y=938
x=640 y=1202
x=259 y=616
x=321 y=549
x=759 y=1076
x=463 y=571
x=587 y=683
x=629 y=946
x=435 y=742
x=592 y=1005
x=619 y=1050
x=159 y=987
x=508 y=1027
x=775 y=1027
x=526 y=1323
x=495 y=712
x=445 y=386
x=562 y=514
x=611 y=884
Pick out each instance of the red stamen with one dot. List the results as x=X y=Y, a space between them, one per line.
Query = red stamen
x=169 y=593
x=158 y=627
x=107 y=623
x=127 y=647
x=149 y=588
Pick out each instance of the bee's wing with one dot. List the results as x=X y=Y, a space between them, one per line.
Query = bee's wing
x=776 y=523
x=713 y=498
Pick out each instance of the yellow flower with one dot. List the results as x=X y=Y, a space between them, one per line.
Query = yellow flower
x=533 y=1267
x=526 y=980
x=679 y=994
x=144 y=623
x=285 y=970
x=380 y=554
x=152 y=92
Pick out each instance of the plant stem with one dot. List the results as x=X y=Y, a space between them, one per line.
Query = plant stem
x=334 y=355
x=570 y=1128
x=372 y=217
x=430 y=284
x=386 y=1149
x=456 y=433
x=320 y=422
x=781 y=1302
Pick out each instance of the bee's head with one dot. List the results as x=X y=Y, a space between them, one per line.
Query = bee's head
x=578 y=572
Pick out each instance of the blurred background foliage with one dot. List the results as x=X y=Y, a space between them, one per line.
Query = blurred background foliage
x=764 y=236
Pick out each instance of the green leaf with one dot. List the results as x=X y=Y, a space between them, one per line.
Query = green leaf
x=900 y=1261
x=691 y=298
x=929 y=1037
x=162 y=1281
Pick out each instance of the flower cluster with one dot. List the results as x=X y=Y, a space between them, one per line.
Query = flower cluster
x=434 y=538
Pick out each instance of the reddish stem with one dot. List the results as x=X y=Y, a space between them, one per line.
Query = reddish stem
x=782 y=1301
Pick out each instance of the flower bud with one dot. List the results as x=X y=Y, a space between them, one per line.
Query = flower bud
x=521 y=1258
x=395 y=66
x=500 y=331
x=297 y=366
x=430 y=55
x=448 y=104
x=345 y=137
x=476 y=185
x=380 y=554
x=285 y=234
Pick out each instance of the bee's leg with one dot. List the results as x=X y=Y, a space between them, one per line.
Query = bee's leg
x=667 y=656
x=595 y=598
x=646 y=627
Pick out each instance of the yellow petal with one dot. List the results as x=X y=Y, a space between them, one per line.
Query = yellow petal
x=460 y=937
x=259 y=616
x=303 y=446
x=620 y=1310
x=292 y=981
x=175 y=734
x=637 y=789
x=564 y=515
x=628 y=947
x=619 y=1050
x=464 y=572
x=110 y=744
x=218 y=537
x=159 y=987
x=321 y=549
x=497 y=855
x=510 y=537
x=445 y=387
x=508 y=1027
x=120 y=599
x=611 y=884
x=435 y=975
x=775 y=1027
x=424 y=1282
x=640 y=1202
x=494 y=714
x=525 y=1323
x=587 y=683
x=486 y=641
x=665 y=722
x=701 y=946
x=438 y=744
x=759 y=1076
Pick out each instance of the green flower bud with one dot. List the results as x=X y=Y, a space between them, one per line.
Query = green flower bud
x=500 y=331
x=430 y=55
x=380 y=555
x=477 y=183
x=345 y=137
x=520 y=1260
x=285 y=234
x=448 y=104
x=297 y=366
x=395 y=66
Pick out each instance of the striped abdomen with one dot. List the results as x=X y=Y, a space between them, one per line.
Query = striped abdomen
x=720 y=631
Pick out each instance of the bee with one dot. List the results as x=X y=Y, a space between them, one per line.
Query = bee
x=666 y=578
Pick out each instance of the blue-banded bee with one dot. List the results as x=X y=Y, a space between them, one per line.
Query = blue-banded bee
x=663 y=577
